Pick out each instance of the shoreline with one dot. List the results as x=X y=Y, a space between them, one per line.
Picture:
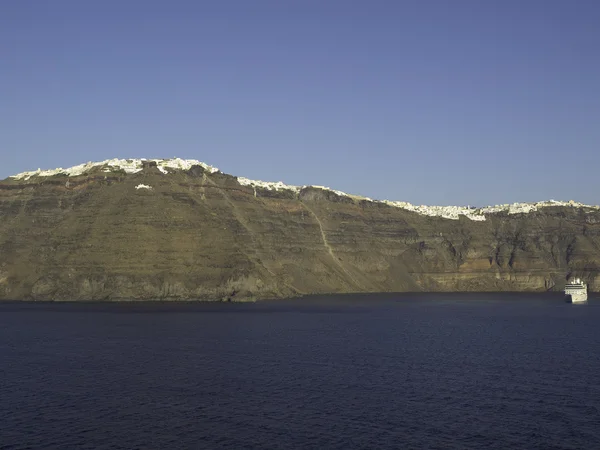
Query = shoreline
x=312 y=298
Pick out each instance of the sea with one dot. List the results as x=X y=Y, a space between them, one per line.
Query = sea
x=388 y=371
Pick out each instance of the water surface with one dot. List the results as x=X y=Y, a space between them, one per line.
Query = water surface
x=361 y=371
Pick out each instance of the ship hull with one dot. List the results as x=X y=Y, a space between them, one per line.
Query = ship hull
x=577 y=298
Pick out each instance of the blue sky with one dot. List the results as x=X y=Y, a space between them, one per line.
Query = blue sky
x=433 y=102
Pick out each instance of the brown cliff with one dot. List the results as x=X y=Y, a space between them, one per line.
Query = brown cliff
x=200 y=235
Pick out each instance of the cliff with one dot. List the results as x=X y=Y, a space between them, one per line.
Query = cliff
x=174 y=229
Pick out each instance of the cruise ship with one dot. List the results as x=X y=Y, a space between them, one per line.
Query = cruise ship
x=576 y=291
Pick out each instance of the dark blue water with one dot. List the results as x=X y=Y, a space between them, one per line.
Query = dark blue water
x=427 y=371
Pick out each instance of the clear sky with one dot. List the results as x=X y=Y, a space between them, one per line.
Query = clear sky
x=449 y=102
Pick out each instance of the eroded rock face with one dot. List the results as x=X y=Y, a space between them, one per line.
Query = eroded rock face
x=201 y=234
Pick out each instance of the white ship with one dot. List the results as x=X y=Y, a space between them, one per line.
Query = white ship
x=576 y=290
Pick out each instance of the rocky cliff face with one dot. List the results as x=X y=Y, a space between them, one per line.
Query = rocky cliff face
x=187 y=231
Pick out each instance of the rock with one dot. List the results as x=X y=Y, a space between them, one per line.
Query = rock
x=196 y=171
x=149 y=165
x=201 y=235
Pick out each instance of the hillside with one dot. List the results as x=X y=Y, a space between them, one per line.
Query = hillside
x=177 y=229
